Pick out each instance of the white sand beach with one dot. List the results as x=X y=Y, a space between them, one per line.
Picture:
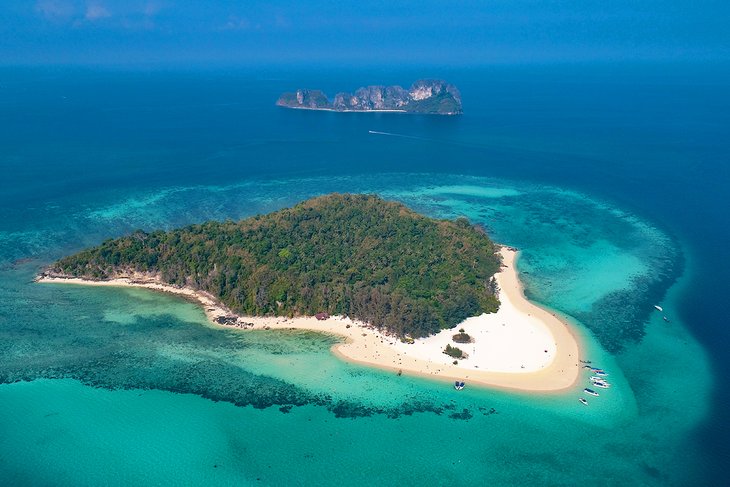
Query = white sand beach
x=522 y=346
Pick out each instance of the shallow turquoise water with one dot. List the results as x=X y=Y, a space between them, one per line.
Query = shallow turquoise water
x=151 y=393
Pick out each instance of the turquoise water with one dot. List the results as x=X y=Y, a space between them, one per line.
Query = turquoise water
x=121 y=340
x=121 y=386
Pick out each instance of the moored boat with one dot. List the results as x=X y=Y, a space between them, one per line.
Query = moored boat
x=590 y=391
x=459 y=385
x=602 y=385
x=583 y=401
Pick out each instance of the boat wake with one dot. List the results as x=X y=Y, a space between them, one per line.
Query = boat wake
x=390 y=134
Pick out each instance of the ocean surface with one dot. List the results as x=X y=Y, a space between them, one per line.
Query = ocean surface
x=612 y=179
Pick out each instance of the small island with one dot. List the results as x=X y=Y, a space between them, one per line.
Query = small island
x=394 y=283
x=431 y=97
x=340 y=254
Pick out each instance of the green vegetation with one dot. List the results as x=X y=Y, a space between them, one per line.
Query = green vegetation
x=305 y=99
x=441 y=103
x=462 y=338
x=353 y=255
x=453 y=352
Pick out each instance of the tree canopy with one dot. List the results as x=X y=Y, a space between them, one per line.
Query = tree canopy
x=354 y=255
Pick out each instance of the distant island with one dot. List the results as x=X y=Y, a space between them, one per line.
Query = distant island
x=435 y=97
x=341 y=254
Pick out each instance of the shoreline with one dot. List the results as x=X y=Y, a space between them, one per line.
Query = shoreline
x=377 y=110
x=547 y=359
x=316 y=109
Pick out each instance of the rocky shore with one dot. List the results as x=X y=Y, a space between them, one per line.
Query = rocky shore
x=436 y=97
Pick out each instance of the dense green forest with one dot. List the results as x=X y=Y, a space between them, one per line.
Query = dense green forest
x=355 y=255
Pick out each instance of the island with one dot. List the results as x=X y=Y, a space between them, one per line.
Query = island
x=434 y=97
x=397 y=285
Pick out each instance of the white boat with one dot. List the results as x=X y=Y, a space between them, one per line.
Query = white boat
x=590 y=391
x=659 y=308
x=602 y=385
x=583 y=401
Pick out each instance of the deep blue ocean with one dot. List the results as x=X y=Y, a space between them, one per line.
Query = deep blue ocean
x=612 y=179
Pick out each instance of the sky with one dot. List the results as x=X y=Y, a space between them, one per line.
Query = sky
x=447 y=32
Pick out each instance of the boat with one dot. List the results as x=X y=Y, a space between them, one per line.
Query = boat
x=458 y=385
x=659 y=308
x=583 y=401
x=666 y=319
x=599 y=379
x=590 y=391
x=600 y=372
x=602 y=385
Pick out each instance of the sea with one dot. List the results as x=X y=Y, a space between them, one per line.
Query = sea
x=611 y=178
